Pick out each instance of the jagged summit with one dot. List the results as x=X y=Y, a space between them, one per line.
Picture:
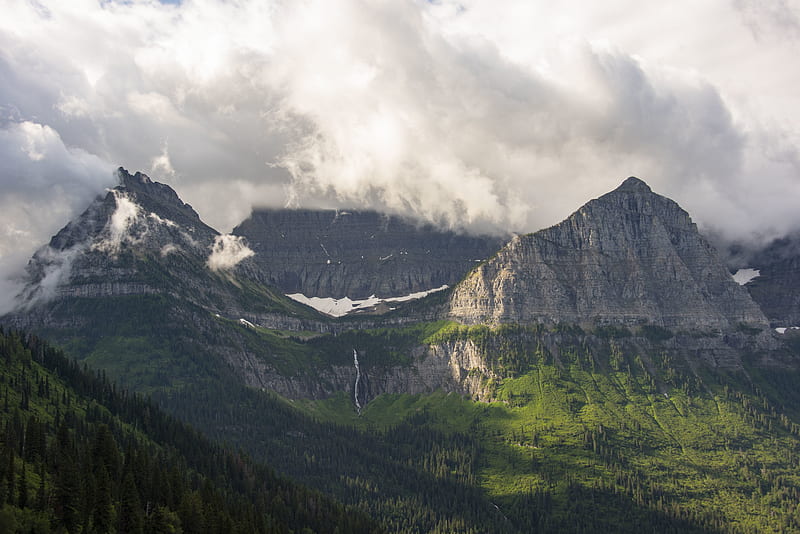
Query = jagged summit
x=629 y=257
x=155 y=196
x=141 y=239
x=131 y=180
x=633 y=184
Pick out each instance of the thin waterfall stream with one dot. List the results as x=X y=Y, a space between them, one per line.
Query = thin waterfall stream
x=358 y=378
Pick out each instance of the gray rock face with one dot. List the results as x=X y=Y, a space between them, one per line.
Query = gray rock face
x=628 y=257
x=139 y=240
x=456 y=367
x=328 y=253
x=777 y=288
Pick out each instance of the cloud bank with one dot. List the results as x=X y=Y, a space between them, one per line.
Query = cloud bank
x=471 y=114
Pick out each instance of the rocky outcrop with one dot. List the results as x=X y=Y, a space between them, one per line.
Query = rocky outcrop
x=628 y=257
x=456 y=367
x=335 y=253
x=776 y=289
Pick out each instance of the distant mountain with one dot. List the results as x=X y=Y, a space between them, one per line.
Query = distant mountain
x=139 y=285
x=630 y=382
x=776 y=288
x=356 y=254
x=629 y=257
x=141 y=239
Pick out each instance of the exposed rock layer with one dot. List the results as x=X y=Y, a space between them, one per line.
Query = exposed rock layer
x=329 y=253
x=777 y=288
x=629 y=257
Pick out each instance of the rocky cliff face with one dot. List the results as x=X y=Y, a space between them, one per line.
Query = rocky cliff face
x=142 y=240
x=777 y=287
x=327 y=253
x=628 y=257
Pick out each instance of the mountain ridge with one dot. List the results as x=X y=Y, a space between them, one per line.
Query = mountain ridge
x=358 y=253
x=628 y=257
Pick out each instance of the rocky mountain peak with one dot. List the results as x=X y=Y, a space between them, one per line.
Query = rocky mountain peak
x=633 y=184
x=629 y=257
x=155 y=196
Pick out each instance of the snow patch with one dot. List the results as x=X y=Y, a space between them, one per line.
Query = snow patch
x=343 y=306
x=159 y=220
x=745 y=276
x=227 y=251
x=417 y=295
x=783 y=329
x=247 y=323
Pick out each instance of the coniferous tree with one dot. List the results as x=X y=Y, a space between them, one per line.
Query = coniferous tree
x=67 y=482
x=129 y=519
x=102 y=514
x=22 y=499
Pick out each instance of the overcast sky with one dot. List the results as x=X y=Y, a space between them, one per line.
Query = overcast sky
x=485 y=114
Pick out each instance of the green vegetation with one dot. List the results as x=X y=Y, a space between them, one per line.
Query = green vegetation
x=587 y=431
x=79 y=455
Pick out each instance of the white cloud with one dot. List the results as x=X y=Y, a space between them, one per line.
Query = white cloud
x=57 y=269
x=470 y=113
x=227 y=251
x=44 y=184
x=120 y=224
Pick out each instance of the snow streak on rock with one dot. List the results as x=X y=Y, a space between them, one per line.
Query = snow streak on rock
x=745 y=276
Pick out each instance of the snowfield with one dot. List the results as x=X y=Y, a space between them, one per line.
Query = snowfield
x=745 y=276
x=343 y=306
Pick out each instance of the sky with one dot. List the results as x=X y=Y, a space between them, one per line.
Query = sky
x=486 y=115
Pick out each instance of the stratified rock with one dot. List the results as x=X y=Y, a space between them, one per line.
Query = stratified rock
x=141 y=239
x=777 y=287
x=355 y=254
x=628 y=257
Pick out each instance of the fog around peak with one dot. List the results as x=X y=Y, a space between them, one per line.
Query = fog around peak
x=474 y=114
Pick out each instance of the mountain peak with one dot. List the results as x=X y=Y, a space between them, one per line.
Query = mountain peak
x=633 y=184
x=629 y=258
x=155 y=196
x=129 y=180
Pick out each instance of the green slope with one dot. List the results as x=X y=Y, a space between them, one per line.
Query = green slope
x=79 y=455
x=602 y=438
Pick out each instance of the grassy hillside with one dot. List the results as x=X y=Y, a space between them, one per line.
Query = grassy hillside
x=601 y=438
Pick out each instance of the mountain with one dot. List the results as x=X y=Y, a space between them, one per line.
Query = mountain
x=140 y=240
x=629 y=257
x=356 y=254
x=139 y=285
x=776 y=286
x=602 y=375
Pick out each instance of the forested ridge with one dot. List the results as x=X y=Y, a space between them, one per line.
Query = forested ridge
x=600 y=437
x=79 y=454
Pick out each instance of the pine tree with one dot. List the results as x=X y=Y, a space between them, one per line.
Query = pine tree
x=22 y=499
x=130 y=508
x=67 y=482
x=102 y=515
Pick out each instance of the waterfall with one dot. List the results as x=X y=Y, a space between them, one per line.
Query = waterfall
x=358 y=378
